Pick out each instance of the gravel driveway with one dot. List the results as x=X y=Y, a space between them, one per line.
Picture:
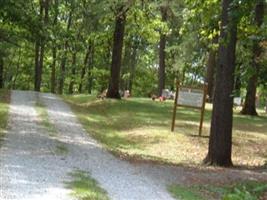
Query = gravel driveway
x=31 y=170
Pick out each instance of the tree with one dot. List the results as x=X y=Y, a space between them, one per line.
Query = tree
x=249 y=107
x=120 y=19
x=40 y=44
x=220 y=143
x=162 y=54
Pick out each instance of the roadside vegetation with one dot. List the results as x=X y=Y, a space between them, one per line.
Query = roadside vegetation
x=84 y=187
x=4 y=102
x=139 y=129
x=240 y=191
x=44 y=118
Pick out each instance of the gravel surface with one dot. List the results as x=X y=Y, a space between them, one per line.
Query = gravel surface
x=32 y=168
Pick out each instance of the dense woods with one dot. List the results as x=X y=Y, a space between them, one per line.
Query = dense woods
x=85 y=46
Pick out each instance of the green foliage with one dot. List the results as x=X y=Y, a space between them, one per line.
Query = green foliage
x=184 y=193
x=4 y=108
x=250 y=190
x=84 y=187
x=246 y=191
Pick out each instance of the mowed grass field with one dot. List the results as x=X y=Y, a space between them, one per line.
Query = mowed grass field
x=138 y=129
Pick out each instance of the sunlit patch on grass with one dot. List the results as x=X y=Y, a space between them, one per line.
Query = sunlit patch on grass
x=139 y=128
x=84 y=187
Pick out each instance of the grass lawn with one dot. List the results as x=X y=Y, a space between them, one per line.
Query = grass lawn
x=139 y=129
x=240 y=191
x=84 y=187
x=4 y=102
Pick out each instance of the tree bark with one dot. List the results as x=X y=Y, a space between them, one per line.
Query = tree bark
x=37 y=75
x=220 y=143
x=44 y=7
x=73 y=73
x=249 y=107
x=162 y=54
x=113 y=89
x=211 y=66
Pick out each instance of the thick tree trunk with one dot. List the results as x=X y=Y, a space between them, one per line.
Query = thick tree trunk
x=113 y=89
x=162 y=54
x=220 y=143
x=211 y=66
x=1 y=72
x=40 y=46
x=249 y=107
x=73 y=73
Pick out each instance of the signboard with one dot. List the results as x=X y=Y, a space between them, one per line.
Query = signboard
x=190 y=97
x=237 y=101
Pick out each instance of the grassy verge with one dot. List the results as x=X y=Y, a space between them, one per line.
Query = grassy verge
x=4 y=102
x=139 y=129
x=240 y=191
x=84 y=187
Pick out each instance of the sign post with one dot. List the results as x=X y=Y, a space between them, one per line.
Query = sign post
x=192 y=98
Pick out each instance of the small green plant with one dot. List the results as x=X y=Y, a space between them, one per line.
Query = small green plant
x=61 y=149
x=185 y=193
x=242 y=191
x=246 y=191
x=84 y=187
x=44 y=118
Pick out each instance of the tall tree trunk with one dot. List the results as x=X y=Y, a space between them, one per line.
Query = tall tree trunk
x=44 y=7
x=211 y=66
x=125 y=65
x=53 y=70
x=250 y=101
x=37 y=75
x=90 y=68
x=85 y=63
x=1 y=71
x=162 y=54
x=73 y=73
x=64 y=58
x=132 y=67
x=113 y=89
x=54 y=52
x=220 y=143
x=238 y=81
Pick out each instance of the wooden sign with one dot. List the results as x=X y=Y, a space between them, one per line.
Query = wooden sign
x=192 y=98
